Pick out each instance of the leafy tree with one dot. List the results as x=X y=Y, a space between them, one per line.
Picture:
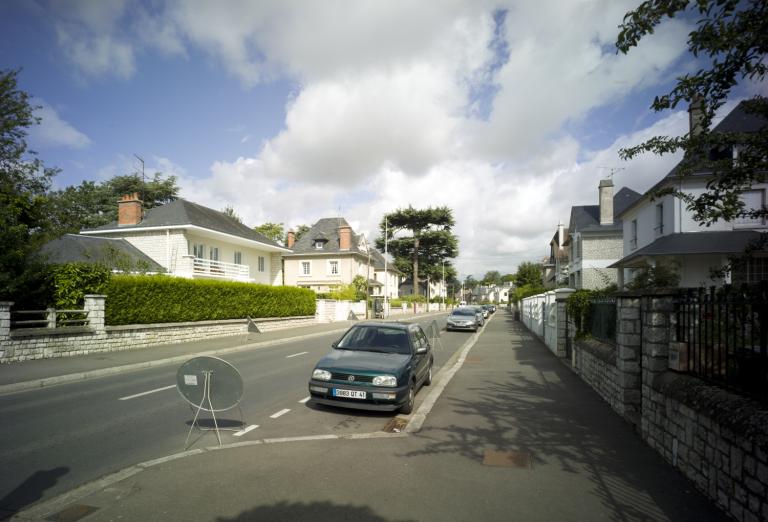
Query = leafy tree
x=301 y=230
x=659 y=276
x=273 y=231
x=361 y=287
x=492 y=277
x=508 y=278
x=24 y=181
x=429 y=243
x=229 y=210
x=731 y=40
x=470 y=282
x=528 y=274
x=91 y=204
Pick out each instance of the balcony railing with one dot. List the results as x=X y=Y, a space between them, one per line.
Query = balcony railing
x=220 y=269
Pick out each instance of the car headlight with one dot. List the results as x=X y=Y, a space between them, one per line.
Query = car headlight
x=321 y=375
x=385 y=380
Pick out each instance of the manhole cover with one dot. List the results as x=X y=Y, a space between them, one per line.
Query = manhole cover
x=72 y=513
x=508 y=459
x=396 y=425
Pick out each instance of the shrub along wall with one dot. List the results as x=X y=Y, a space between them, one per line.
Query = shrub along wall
x=162 y=299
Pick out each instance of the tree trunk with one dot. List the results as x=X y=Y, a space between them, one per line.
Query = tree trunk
x=416 y=265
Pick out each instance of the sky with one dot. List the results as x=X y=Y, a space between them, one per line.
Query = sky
x=508 y=112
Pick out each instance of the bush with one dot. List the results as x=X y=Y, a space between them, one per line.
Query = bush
x=163 y=299
x=526 y=291
x=71 y=282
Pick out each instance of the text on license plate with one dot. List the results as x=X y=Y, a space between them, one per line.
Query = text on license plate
x=349 y=394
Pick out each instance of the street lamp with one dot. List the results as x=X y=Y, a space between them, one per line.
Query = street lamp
x=443 y=284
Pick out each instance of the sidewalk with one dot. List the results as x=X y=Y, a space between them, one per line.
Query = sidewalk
x=515 y=435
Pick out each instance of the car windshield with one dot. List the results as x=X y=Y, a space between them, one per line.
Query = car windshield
x=463 y=311
x=371 y=338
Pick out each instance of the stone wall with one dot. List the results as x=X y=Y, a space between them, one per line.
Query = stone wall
x=44 y=343
x=716 y=439
x=595 y=362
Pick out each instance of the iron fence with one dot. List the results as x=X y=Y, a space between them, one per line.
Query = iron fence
x=725 y=335
x=601 y=323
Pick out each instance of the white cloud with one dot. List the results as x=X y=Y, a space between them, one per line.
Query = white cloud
x=55 y=132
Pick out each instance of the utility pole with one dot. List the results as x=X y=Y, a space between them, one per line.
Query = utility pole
x=386 y=274
x=143 y=180
x=444 y=284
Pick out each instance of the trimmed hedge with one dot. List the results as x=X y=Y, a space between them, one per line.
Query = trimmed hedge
x=136 y=299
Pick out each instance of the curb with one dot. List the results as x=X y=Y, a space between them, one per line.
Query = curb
x=16 y=387
x=44 y=510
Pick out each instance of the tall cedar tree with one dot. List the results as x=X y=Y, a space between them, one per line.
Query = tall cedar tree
x=730 y=40
x=430 y=243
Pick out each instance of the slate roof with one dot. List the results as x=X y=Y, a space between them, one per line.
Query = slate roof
x=182 y=212
x=71 y=248
x=738 y=120
x=586 y=218
x=692 y=243
x=326 y=229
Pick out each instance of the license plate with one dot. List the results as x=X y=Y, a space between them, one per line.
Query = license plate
x=349 y=394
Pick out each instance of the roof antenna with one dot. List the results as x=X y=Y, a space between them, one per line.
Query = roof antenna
x=143 y=181
x=613 y=170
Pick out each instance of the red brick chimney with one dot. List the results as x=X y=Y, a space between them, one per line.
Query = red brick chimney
x=129 y=210
x=345 y=237
x=291 y=239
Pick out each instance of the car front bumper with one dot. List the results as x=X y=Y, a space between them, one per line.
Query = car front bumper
x=471 y=326
x=322 y=393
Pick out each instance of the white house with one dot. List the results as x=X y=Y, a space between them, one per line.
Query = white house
x=190 y=240
x=663 y=231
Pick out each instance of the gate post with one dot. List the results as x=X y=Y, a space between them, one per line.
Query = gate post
x=656 y=314
x=629 y=356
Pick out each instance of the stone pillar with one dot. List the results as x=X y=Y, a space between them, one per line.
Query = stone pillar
x=561 y=296
x=656 y=314
x=5 y=320
x=628 y=357
x=94 y=305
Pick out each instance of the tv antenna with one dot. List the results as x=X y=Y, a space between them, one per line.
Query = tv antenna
x=613 y=170
x=210 y=384
x=143 y=180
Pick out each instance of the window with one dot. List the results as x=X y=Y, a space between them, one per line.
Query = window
x=633 y=234
x=305 y=268
x=238 y=258
x=333 y=267
x=752 y=270
x=319 y=244
x=579 y=246
x=261 y=263
x=198 y=250
x=753 y=200
x=214 y=254
x=659 y=228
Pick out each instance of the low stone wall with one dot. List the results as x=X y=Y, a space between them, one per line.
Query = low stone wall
x=44 y=343
x=595 y=362
x=717 y=439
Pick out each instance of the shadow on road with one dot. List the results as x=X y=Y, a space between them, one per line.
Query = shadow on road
x=314 y=512
x=30 y=491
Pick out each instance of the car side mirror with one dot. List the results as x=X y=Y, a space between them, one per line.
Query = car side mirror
x=335 y=344
x=421 y=350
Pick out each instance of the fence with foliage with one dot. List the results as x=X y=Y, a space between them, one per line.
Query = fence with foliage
x=601 y=319
x=162 y=299
x=726 y=334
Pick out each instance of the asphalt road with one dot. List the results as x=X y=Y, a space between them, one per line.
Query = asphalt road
x=60 y=437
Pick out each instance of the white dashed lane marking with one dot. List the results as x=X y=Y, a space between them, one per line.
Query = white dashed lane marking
x=146 y=393
x=246 y=430
x=279 y=413
x=295 y=355
x=304 y=400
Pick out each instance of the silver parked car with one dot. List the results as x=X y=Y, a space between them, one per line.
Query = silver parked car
x=463 y=318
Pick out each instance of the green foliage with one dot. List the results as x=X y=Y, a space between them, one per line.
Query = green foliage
x=344 y=293
x=730 y=39
x=90 y=204
x=492 y=277
x=659 y=276
x=72 y=281
x=410 y=299
x=528 y=274
x=301 y=230
x=273 y=231
x=163 y=299
x=429 y=244
x=579 y=306
x=395 y=303
x=24 y=206
x=521 y=292
x=229 y=211
x=508 y=278
x=360 y=285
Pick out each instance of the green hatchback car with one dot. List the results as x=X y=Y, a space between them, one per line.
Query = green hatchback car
x=375 y=365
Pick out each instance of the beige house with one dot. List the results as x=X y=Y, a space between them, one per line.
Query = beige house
x=330 y=254
x=193 y=241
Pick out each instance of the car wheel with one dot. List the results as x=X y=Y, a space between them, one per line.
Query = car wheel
x=407 y=408
x=428 y=378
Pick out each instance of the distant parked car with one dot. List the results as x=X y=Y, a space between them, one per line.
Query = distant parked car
x=480 y=314
x=376 y=365
x=486 y=310
x=463 y=318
